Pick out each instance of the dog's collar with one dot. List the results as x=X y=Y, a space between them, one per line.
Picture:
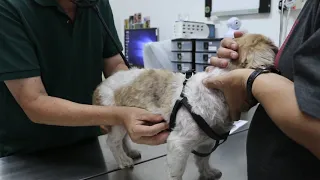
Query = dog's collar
x=203 y=125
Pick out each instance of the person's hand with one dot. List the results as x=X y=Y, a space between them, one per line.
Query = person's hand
x=144 y=127
x=233 y=85
x=226 y=52
x=105 y=129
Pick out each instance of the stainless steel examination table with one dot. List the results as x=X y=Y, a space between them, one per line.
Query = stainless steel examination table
x=93 y=160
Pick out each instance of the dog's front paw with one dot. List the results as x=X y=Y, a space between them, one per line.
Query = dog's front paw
x=211 y=174
x=125 y=162
x=134 y=154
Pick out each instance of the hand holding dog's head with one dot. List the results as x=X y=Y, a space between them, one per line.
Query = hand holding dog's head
x=244 y=51
x=255 y=51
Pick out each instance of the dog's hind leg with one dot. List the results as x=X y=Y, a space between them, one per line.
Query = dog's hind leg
x=178 y=151
x=205 y=170
x=115 y=143
x=134 y=154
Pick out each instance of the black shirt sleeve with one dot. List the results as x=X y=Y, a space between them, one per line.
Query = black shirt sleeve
x=109 y=48
x=17 y=55
x=306 y=67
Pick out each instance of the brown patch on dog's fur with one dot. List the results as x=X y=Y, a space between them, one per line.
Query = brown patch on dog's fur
x=255 y=50
x=146 y=95
x=96 y=98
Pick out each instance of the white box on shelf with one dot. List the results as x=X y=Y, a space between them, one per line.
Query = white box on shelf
x=193 y=30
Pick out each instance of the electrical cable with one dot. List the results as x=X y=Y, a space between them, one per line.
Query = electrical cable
x=287 y=22
x=281 y=22
x=289 y=5
x=93 y=5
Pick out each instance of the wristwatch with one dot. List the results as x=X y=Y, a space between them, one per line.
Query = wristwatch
x=270 y=69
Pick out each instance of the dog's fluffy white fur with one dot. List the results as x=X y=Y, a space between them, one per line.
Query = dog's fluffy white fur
x=255 y=50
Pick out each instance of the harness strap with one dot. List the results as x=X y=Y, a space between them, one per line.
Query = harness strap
x=178 y=103
x=203 y=125
x=173 y=115
x=217 y=144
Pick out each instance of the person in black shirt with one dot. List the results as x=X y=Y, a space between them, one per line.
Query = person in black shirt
x=284 y=136
x=53 y=55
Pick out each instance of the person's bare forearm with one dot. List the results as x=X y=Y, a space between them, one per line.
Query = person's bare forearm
x=276 y=94
x=113 y=65
x=55 y=111
x=120 y=67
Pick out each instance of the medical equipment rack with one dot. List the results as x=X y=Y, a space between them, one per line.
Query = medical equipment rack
x=193 y=54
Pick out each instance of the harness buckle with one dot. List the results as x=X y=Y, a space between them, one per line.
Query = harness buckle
x=189 y=74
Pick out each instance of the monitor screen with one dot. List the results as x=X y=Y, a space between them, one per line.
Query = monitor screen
x=134 y=44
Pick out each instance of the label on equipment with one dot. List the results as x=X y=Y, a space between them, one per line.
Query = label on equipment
x=185 y=68
x=212 y=48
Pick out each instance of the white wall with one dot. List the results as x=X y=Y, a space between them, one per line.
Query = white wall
x=163 y=14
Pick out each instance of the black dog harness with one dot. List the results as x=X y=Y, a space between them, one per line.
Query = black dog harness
x=203 y=125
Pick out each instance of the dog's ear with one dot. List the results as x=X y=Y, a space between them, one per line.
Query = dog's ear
x=255 y=51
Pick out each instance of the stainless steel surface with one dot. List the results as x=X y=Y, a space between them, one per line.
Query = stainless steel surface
x=230 y=158
x=244 y=127
x=66 y=163
x=69 y=163
x=147 y=153
x=94 y=159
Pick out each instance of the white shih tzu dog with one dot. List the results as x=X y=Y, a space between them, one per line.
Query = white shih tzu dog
x=158 y=90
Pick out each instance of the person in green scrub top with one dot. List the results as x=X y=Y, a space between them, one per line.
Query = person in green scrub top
x=52 y=57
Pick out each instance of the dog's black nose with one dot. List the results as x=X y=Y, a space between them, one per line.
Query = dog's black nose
x=218 y=175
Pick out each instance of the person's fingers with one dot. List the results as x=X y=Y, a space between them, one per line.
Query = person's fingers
x=158 y=139
x=142 y=130
x=229 y=43
x=218 y=62
x=153 y=118
x=238 y=34
x=227 y=53
x=209 y=68
x=105 y=129
x=214 y=82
